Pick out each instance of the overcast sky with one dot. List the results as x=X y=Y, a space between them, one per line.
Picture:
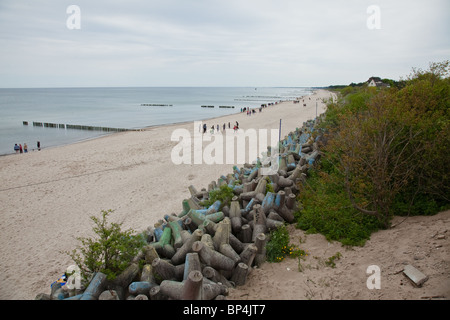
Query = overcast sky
x=218 y=43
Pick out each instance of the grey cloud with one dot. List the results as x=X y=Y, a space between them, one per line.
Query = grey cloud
x=204 y=42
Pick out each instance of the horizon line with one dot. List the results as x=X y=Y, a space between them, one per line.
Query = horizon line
x=117 y=87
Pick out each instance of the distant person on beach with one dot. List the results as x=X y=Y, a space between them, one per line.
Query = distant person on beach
x=25 y=148
x=20 y=148
x=224 y=127
x=212 y=129
x=16 y=148
x=229 y=125
x=204 y=128
x=39 y=145
x=217 y=128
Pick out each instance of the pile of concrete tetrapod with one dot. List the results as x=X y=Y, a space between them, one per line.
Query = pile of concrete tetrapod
x=203 y=251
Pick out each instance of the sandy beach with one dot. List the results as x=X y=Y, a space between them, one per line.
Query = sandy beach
x=48 y=197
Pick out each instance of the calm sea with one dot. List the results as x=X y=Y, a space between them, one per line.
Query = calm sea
x=117 y=108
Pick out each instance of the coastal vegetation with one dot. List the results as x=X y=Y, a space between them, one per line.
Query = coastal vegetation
x=279 y=247
x=224 y=194
x=385 y=153
x=110 y=252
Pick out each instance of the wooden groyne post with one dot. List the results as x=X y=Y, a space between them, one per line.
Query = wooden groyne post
x=76 y=127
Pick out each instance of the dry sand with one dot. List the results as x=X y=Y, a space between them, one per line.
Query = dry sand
x=48 y=196
x=420 y=241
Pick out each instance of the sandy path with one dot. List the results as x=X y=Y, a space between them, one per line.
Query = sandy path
x=48 y=196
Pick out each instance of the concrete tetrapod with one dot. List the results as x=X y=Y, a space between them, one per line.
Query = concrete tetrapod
x=225 y=243
x=212 y=258
x=180 y=255
x=192 y=286
x=235 y=215
x=95 y=287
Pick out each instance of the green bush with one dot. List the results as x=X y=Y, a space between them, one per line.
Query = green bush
x=423 y=204
x=110 y=253
x=224 y=194
x=278 y=247
x=326 y=209
x=386 y=154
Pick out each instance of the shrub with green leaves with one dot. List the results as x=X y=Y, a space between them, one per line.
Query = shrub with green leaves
x=385 y=154
x=278 y=247
x=224 y=194
x=327 y=210
x=110 y=253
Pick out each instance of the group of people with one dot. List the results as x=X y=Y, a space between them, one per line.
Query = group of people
x=19 y=149
x=205 y=128
x=253 y=110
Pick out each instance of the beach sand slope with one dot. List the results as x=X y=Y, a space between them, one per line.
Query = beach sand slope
x=48 y=196
x=420 y=241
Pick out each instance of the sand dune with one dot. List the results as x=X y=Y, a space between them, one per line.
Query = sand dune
x=420 y=241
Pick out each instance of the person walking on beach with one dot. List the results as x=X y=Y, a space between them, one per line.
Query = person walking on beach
x=20 y=148
x=224 y=127
x=217 y=128
x=25 y=148
x=39 y=145
x=204 y=128
x=229 y=125
x=16 y=148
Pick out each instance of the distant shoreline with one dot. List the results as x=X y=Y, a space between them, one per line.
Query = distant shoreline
x=140 y=129
x=116 y=108
x=49 y=196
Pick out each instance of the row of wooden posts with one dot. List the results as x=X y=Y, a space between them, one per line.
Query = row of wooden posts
x=75 y=126
x=155 y=105
x=203 y=251
x=205 y=106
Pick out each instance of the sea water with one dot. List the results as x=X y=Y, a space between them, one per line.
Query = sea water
x=127 y=108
